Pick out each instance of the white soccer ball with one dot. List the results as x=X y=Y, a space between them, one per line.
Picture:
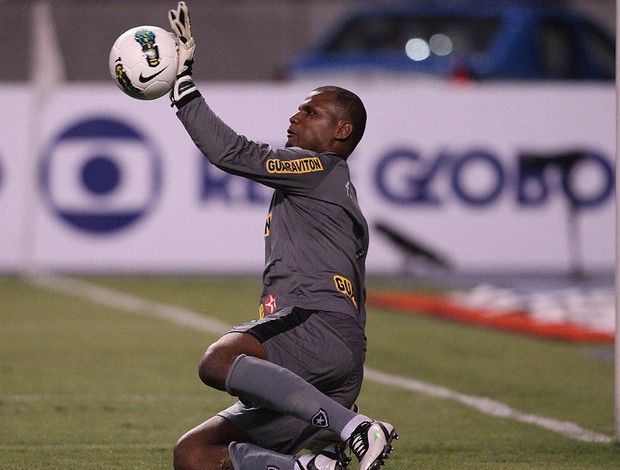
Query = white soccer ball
x=143 y=62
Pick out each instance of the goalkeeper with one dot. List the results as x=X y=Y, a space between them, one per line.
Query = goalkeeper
x=298 y=370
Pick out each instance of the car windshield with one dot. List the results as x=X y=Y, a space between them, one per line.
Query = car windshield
x=418 y=36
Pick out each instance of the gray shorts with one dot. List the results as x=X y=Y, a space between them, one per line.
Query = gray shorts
x=327 y=349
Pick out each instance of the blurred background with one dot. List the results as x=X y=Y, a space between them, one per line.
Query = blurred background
x=488 y=157
x=243 y=40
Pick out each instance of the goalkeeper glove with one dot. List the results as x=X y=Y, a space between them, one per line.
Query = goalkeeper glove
x=183 y=90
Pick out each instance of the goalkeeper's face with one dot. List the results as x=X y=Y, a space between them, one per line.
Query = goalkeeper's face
x=315 y=126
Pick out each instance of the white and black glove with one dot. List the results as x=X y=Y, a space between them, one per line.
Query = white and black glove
x=184 y=89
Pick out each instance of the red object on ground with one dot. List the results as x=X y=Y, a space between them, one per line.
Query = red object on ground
x=520 y=322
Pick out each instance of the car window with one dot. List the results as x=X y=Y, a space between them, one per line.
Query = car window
x=556 y=50
x=441 y=35
x=601 y=51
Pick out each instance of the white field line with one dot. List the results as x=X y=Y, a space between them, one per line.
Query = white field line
x=129 y=303
x=488 y=406
x=132 y=304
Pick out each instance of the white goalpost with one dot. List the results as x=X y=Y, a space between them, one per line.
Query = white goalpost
x=617 y=273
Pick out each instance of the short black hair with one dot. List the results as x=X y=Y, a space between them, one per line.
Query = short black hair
x=349 y=107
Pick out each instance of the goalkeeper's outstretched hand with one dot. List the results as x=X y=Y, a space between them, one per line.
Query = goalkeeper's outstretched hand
x=184 y=89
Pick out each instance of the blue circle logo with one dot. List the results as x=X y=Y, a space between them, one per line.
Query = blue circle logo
x=101 y=175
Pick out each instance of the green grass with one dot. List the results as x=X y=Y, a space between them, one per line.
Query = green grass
x=83 y=386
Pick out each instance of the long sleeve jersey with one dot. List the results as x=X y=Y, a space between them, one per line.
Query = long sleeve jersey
x=316 y=237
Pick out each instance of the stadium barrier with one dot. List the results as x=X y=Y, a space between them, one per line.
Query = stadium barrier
x=93 y=181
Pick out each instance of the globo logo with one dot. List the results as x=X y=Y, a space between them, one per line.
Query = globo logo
x=101 y=175
x=478 y=178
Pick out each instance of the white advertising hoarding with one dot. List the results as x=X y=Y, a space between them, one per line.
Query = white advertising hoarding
x=490 y=177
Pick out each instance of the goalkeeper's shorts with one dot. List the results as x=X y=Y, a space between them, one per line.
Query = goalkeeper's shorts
x=325 y=348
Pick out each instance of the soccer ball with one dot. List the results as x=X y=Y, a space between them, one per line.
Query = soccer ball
x=143 y=62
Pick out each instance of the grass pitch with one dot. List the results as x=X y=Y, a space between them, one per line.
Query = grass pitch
x=85 y=386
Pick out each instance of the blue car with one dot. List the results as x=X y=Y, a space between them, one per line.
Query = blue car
x=486 y=41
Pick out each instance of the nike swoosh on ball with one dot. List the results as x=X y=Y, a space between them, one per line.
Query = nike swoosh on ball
x=144 y=79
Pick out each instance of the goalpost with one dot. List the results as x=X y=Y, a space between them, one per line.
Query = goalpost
x=617 y=256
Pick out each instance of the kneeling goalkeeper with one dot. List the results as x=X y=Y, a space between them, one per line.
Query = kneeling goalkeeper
x=298 y=370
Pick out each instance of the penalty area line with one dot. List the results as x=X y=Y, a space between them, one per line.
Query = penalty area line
x=100 y=295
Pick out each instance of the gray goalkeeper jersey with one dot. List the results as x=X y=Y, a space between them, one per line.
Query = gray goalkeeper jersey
x=316 y=237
